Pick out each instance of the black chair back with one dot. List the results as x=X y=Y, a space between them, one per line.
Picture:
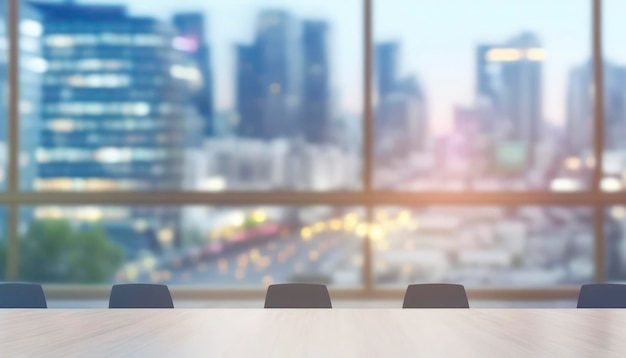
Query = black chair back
x=22 y=295
x=435 y=295
x=297 y=295
x=140 y=295
x=603 y=295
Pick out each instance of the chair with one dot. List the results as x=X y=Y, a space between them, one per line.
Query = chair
x=139 y=295
x=297 y=295
x=436 y=295
x=22 y=295
x=604 y=295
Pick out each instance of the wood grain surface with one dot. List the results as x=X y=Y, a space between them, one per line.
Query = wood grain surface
x=313 y=333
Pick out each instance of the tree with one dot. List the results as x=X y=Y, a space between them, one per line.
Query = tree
x=96 y=258
x=52 y=251
x=3 y=259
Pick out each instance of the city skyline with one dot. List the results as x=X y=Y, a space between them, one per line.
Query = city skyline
x=223 y=34
x=434 y=57
x=278 y=97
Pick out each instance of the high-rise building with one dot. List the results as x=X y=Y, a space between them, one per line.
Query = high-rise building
x=316 y=109
x=386 y=64
x=250 y=94
x=579 y=125
x=400 y=120
x=509 y=79
x=273 y=87
x=114 y=94
x=580 y=105
x=191 y=39
x=32 y=68
x=115 y=106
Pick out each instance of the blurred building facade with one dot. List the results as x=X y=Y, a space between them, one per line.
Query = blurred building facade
x=250 y=165
x=400 y=120
x=32 y=69
x=114 y=93
x=123 y=96
x=315 y=119
x=283 y=80
x=269 y=78
x=509 y=79
x=192 y=39
x=580 y=108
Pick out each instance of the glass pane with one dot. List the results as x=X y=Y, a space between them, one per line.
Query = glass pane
x=480 y=94
x=483 y=247
x=176 y=94
x=614 y=46
x=239 y=247
x=615 y=243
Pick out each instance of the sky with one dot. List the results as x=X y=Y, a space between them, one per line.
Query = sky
x=438 y=40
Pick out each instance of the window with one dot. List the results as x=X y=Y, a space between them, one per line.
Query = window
x=482 y=98
x=279 y=91
x=219 y=247
x=364 y=144
x=484 y=246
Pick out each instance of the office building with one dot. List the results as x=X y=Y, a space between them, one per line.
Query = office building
x=400 y=120
x=113 y=98
x=33 y=66
x=260 y=165
x=31 y=73
x=386 y=65
x=579 y=124
x=269 y=78
x=316 y=105
x=509 y=79
x=249 y=118
x=580 y=108
x=192 y=40
x=117 y=106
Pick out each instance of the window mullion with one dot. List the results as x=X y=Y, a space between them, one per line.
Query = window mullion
x=366 y=272
x=13 y=138
x=598 y=121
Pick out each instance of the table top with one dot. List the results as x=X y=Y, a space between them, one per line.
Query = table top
x=313 y=333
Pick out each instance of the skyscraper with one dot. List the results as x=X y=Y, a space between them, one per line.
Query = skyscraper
x=400 y=121
x=579 y=125
x=274 y=65
x=509 y=79
x=115 y=94
x=580 y=104
x=31 y=74
x=386 y=64
x=316 y=111
x=250 y=94
x=32 y=69
x=115 y=106
x=191 y=39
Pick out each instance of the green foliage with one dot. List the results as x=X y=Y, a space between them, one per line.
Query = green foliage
x=249 y=223
x=3 y=259
x=52 y=251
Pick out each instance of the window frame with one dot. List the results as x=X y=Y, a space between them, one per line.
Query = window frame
x=368 y=198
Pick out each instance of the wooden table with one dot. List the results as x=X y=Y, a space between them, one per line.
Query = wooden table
x=312 y=333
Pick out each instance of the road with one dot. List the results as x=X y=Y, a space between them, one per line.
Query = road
x=279 y=260
x=535 y=247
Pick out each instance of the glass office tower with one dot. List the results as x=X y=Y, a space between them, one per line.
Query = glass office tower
x=117 y=113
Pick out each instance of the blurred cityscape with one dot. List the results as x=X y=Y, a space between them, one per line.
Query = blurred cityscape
x=111 y=100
